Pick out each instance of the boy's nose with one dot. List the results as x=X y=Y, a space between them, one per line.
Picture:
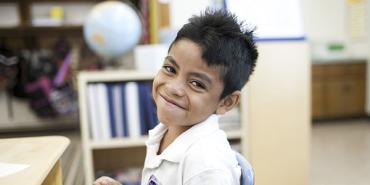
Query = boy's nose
x=176 y=88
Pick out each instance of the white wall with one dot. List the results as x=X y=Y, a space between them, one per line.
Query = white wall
x=181 y=10
x=327 y=21
x=324 y=20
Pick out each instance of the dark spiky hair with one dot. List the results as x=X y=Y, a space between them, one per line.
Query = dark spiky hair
x=225 y=42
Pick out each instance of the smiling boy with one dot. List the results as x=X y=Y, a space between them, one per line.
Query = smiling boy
x=207 y=65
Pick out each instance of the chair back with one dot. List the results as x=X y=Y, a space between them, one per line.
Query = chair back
x=247 y=175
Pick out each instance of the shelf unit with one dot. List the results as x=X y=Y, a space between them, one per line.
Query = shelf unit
x=25 y=27
x=16 y=115
x=159 y=18
x=123 y=146
x=14 y=37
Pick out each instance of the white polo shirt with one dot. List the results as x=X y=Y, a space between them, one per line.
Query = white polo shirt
x=199 y=156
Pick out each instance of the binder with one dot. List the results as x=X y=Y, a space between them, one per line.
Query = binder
x=132 y=108
x=123 y=109
x=112 y=116
x=103 y=109
x=93 y=112
x=117 y=108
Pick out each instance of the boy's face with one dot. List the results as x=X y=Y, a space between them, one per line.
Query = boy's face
x=186 y=90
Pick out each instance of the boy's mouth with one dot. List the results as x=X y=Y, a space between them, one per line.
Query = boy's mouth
x=169 y=100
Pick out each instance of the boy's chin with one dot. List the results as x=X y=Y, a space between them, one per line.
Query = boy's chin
x=170 y=115
x=169 y=120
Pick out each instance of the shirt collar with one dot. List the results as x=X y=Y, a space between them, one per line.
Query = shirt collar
x=177 y=149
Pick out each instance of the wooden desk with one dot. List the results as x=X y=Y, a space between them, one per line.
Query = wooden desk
x=41 y=153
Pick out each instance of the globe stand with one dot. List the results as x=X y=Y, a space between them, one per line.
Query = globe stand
x=110 y=63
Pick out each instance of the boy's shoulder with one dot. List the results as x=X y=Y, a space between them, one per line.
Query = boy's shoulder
x=210 y=151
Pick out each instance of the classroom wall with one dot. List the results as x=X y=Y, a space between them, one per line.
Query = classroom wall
x=327 y=21
x=181 y=11
x=324 y=20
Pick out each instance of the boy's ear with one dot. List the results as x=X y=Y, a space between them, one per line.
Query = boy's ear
x=228 y=102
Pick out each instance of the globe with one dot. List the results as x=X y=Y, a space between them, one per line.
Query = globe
x=111 y=29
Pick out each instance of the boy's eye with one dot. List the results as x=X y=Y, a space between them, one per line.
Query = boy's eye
x=198 y=85
x=169 y=69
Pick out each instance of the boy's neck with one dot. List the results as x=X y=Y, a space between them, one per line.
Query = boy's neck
x=171 y=134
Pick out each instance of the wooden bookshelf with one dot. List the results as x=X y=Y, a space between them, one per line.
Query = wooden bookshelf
x=119 y=143
x=100 y=148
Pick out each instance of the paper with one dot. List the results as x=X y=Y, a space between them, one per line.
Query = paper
x=357 y=21
x=11 y=168
x=273 y=19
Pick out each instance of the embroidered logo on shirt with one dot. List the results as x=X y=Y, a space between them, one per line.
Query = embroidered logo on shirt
x=153 y=181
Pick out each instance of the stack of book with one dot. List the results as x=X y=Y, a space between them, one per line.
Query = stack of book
x=230 y=121
x=123 y=109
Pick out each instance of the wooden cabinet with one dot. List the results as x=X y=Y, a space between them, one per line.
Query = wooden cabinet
x=338 y=90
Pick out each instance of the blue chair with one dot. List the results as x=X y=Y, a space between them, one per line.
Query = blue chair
x=247 y=177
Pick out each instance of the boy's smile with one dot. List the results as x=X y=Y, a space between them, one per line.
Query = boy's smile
x=171 y=103
x=186 y=90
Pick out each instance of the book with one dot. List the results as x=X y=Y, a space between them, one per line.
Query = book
x=150 y=108
x=111 y=106
x=230 y=121
x=123 y=109
x=132 y=109
x=143 y=104
x=92 y=105
x=103 y=113
x=117 y=108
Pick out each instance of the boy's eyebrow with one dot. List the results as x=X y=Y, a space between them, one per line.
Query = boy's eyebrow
x=202 y=76
x=172 y=61
x=198 y=75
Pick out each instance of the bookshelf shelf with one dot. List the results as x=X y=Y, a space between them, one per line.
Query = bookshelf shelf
x=118 y=143
x=115 y=76
x=233 y=134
